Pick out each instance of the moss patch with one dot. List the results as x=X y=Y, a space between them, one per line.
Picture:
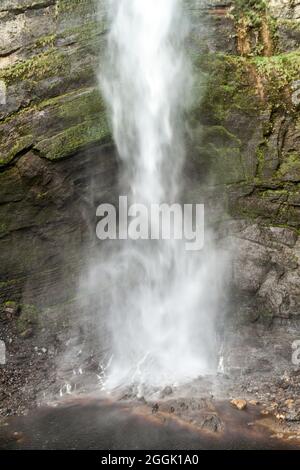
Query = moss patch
x=290 y=168
x=84 y=122
x=70 y=6
x=229 y=87
x=21 y=144
x=249 y=6
x=256 y=30
x=28 y=318
x=278 y=73
x=74 y=138
x=70 y=122
x=46 y=64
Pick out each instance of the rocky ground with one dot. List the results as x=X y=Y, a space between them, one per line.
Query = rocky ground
x=30 y=361
x=256 y=374
x=172 y=421
x=243 y=130
x=93 y=423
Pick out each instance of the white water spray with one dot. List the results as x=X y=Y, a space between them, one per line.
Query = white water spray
x=160 y=300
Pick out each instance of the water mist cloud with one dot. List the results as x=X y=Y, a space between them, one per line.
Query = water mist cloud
x=160 y=300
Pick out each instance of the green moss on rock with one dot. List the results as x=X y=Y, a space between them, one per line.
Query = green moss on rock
x=46 y=64
x=79 y=106
x=70 y=6
x=252 y=10
x=290 y=24
x=21 y=144
x=278 y=73
x=227 y=88
x=84 y=123
x=249 y=6
x=219 y=151
x=74 y=138
x=28 y=318
x=70 y=122
x=290 y=168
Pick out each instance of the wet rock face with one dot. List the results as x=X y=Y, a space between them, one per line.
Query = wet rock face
x=243 y=130
x=285 y=9
x=50 y=109
x=49 y=57
x=266 y=268
x=45 y=228
x=246 y=136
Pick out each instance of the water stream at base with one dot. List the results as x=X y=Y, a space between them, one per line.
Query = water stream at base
x=90 y=423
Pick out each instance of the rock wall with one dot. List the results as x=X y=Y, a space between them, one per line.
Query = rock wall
x=246 y=135
x=243 y=135
x=48 y=61
x=50 y=109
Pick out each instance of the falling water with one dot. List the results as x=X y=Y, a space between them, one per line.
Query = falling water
x=160 y=300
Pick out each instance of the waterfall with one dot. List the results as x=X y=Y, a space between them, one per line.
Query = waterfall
x=145 y=83
x=160 y=300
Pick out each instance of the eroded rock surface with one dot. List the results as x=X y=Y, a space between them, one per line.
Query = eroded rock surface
x=57 y=164
x=243 y=130
x=266 y=268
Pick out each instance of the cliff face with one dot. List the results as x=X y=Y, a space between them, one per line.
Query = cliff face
x=249 y=128
x=250 y=114
x=49 y=54
x=50 y=109
x=243 y=133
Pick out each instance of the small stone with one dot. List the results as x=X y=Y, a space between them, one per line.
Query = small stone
x=254 y=402
x=17 y=435
x=10 y=310
x=155 y=408
x=289 y=403
x=27 y=333
x=277 y=436
x=239 y=404
x=44 y=350
x=167 y=391
x=211 y=422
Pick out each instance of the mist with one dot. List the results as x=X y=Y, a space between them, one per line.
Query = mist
x=159 y=301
